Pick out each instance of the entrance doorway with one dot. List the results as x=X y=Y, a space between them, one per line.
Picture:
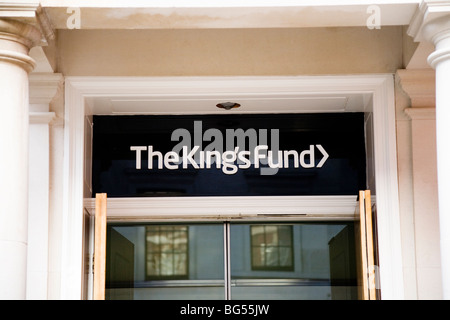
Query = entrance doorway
x=232 y=260
x=85 y=97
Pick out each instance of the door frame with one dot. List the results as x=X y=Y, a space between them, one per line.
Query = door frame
x=376 y=93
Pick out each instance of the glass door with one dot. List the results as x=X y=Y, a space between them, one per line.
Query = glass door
x=307 y=260
x=165 y=262
x=310 y=260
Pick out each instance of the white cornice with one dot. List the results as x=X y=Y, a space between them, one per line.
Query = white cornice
x=138 y=14
x=19 y=10
x=216 y=3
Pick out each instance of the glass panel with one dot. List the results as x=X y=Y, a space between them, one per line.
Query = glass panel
x=151 y=261
x=271 y=247
x=167 y=252
x=293 y=261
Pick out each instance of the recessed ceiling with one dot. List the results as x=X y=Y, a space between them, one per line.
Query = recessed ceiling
x=197 y=104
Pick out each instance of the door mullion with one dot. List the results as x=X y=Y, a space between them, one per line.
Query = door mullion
x=227 y=268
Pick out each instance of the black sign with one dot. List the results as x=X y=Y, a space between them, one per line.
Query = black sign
x=229 y=155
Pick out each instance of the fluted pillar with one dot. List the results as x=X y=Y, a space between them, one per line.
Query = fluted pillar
x=16 y=38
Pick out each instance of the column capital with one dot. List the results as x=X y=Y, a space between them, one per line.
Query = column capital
x=22 y=26
x=16 y=39
x=31 y=15
x=431 y=23
x=430 y=18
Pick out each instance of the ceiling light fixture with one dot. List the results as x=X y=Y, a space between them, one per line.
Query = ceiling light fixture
x=228 y=105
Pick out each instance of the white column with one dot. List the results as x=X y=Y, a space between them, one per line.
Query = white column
x=439 y=31
x=16 y=38
x=432 y=23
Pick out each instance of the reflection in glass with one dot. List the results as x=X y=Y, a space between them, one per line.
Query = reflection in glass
x=293 y=261
x=271 y=247
x=167 y=252
x=314 y=260
x=162 y=261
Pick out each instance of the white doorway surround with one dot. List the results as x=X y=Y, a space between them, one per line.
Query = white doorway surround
x=372 y=94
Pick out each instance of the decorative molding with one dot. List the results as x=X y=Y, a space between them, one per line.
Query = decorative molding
x=419 y=85
x=44 y=87
x=45 y=25
x=427 y=12
x=442 y=53
x=381 y=104
x=21 y=31
x=18 y=10
x=33 y=15
x=417 y=21
x=220 y=208
x=41 y=117
x=21 y=34
x=72 y=215
x=138 y=14
x=22 y=60
x=431 y=23
x=435 y=27
x=421 y=113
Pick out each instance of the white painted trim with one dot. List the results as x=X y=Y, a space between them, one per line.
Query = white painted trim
x=388 y=210
x=72 y=218
x=226 y=208
x=41 y=117
x=218 y=4
x=177 y=14
x=38 y=206
x=42 y=89
x=421 y=113
x=382 y=104
x=44 y=86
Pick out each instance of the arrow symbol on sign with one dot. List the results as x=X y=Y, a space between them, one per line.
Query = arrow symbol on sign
x=325 y=156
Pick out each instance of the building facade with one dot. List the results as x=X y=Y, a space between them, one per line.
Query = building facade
x=92 y=90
